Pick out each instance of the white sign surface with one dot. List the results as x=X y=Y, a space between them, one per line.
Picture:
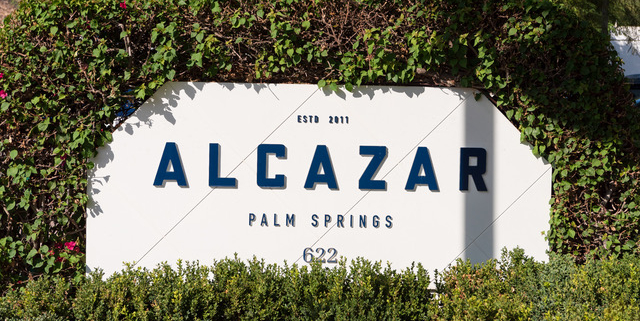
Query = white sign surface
x=203 y=171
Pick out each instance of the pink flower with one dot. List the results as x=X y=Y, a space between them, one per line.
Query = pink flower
x=123 y=5
x=3 y=94
x=1 y=75
x=70 y=245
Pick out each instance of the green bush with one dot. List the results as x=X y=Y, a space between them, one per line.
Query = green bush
x=489 y=291
x=518 y=288
x=229 y=290
x=70 y=66
x=512 y=288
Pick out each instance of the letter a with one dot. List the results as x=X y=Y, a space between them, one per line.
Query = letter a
x=170 y=155
x=322 y=160
x=422 y=161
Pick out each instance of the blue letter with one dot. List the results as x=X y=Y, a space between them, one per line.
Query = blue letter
x=170 y=155
x=363 y=221
x=263 y=150
x=291 y=220
x=379 y=154
x=320 y=160
x=475 y=172
x=422 y=160
x=376 y=221
x=214 y=169
x=327 y=220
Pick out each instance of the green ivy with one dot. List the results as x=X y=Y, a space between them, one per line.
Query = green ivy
x=70 y=66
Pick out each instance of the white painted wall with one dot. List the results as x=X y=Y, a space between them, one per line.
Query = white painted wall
x=131 y=220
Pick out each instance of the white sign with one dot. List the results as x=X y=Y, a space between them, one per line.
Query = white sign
x=203 y=171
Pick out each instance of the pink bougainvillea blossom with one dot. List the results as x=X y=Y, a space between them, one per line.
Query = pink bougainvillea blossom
x=123 y=5
x=1 y=75
x=70 y=245
x=3 y=94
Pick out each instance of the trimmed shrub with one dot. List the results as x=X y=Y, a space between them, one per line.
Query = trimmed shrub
x=229 y=290
x=514 y=287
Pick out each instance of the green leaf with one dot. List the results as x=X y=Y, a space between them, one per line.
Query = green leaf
x=322 y=83
x=12 y=171
x=13 y=154
x=42 y=126
x=171 y=74
x=196 y=58
x=512 y=31
x=509 y=113
x=140 y=94
x=216 y=7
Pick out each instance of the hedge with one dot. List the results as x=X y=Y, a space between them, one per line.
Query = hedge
x=512 y=288
x=68 y=68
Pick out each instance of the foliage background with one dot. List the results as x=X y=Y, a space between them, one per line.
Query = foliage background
x=69 y=68
x=611 y=12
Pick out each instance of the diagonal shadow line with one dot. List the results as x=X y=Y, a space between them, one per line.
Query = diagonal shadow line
x=389 y=172
x=231 y=172
x=499 y=216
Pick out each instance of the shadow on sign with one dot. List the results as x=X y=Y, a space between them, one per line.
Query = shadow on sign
x=479 y=205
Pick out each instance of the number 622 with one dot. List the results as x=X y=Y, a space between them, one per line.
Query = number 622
x=309 y=255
